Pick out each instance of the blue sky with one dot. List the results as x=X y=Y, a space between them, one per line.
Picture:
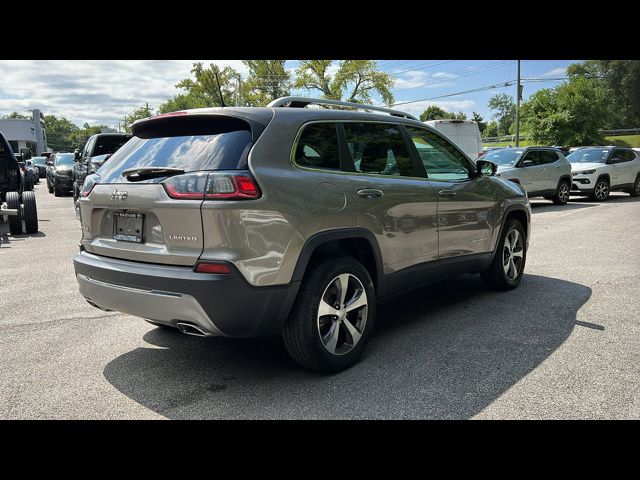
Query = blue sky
x=103 y=91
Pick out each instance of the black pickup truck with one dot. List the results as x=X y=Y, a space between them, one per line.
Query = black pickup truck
x=95 y=152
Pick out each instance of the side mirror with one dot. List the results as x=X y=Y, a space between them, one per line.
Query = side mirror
x=76 y=156
x=527 y=163
x=49 y=164
x=485 y=168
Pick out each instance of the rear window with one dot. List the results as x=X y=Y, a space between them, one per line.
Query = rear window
x=109 y=144
x=189 y=146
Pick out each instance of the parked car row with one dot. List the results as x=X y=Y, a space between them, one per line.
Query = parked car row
x=591 y=171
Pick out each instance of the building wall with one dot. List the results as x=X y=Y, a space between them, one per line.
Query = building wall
x=27 y=133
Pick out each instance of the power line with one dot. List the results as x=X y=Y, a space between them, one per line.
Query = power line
x=479 y=89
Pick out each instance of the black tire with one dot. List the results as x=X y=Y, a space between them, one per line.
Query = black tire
x=28 y=185
x=30 y=212
x=606 y=189
x=495 y=276
x=563 y=192
x=635 y=191
x=50 y=188
x=15 y=221
x=56 y=191
x=302 y=332
x=76 y=193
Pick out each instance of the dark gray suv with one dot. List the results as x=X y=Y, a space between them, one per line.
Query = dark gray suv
x=283 y=219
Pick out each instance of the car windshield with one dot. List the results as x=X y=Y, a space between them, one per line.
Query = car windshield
x=589 y=155
x=39 y=160
x=66 y=159
x=503 y=157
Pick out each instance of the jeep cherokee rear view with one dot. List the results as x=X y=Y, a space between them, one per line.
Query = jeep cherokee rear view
x=244 y=221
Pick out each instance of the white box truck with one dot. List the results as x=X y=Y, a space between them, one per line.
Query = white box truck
x=464 y=133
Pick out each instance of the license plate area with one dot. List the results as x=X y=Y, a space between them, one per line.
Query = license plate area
x=128 y=226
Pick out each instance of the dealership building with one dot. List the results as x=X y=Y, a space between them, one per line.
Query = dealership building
x=22 y=134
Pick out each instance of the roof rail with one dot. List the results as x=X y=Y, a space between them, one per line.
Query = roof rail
x=301 y=102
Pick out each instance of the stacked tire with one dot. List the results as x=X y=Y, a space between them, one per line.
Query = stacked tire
x=27 y=211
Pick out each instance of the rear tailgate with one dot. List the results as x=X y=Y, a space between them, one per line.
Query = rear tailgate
x=156 y=217
x=171 y=231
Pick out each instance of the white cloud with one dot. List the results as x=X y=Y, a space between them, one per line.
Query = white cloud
x=93 y=91
x=556 y=72
x=422 y=79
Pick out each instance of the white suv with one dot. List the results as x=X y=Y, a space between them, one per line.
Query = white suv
x=541 y=171
x=599 y=170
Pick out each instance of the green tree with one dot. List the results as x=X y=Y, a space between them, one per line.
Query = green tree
x=621 y=81
x=209 y=87
x=434 y=112
x=141 y=112
x=354 y=81
x=60 y=132
x=482 y=125
x=17 y=116
x=569 y=114
x=491 y=130
x=504 y=109
x=267 y=81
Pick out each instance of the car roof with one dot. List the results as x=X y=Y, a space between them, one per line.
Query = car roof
x=263 y=115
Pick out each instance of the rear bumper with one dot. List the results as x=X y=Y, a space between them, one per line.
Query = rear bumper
x=219 y=305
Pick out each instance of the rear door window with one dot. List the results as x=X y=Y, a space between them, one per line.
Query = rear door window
x=317 y=147
x=105 y=145
x=378 y=148
x=547 y=156
x=197 y=144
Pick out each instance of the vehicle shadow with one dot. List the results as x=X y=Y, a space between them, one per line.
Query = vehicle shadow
x=538 y=206
x=445 y=351
x=6 y=238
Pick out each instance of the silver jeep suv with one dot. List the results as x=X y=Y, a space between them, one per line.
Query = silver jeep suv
x=292 y=220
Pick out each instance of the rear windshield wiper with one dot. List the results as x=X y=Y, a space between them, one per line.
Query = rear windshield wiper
x=143 y=173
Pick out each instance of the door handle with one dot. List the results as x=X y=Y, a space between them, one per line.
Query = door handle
x=448 y=193
x=370 y=193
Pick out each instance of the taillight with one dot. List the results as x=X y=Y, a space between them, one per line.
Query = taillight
x=212 y=186
x=87 y=186
x=190 y=186
x=212 y=268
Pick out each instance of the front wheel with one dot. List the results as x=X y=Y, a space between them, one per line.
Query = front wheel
x=333 y=315
x=635 y=191
x=562 y=193
x=507 y=267
x=76 y=193
x=601 y=190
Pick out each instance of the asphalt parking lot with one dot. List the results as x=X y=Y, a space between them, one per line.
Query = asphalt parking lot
x=565 y=344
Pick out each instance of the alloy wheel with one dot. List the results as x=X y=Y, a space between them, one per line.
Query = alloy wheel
x=512 y=254
x=563 y=193
x=342 y=314
x=601 y=190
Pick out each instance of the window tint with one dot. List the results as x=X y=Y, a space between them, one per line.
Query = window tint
x=318 y=147
x=532 y=156
x=222 y=151
x=441 y=159
x=628 y=155
x=378 y=148
x=106 y=145
x=547 y=156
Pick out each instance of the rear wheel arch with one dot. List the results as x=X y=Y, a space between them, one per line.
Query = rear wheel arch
x=358 y=243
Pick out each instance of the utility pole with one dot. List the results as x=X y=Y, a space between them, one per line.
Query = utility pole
x=518 y=95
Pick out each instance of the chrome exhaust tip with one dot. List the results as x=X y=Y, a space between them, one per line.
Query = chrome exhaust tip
x=190 y=329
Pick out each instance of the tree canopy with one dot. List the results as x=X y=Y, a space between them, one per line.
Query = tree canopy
x=353 y=80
